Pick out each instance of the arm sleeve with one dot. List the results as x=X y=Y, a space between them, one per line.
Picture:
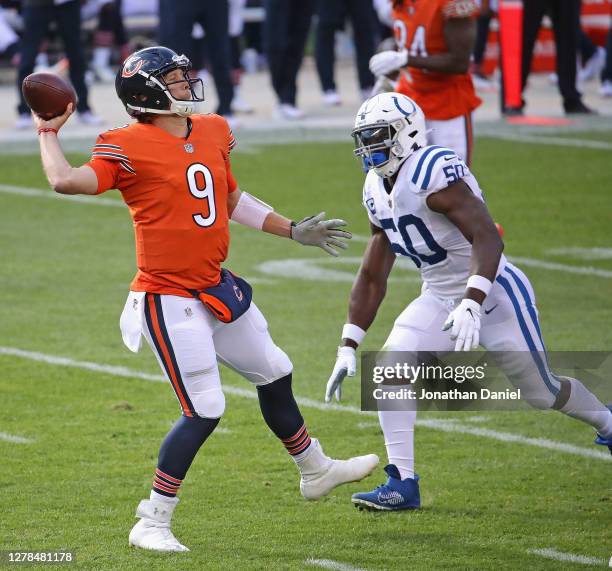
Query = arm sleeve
x=460 y=9
x=107 y=173
x=231 y=141
x=110 y=163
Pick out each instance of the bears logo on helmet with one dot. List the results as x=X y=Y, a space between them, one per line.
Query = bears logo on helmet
x=131 y=66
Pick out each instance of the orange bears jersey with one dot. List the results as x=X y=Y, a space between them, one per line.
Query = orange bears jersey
x=419 y=27
x=176 y=190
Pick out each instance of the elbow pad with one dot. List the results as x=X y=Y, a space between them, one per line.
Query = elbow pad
x=251 y=211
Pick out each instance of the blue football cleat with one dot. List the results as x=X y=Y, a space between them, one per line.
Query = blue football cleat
x=396 y=494
x=599 y=439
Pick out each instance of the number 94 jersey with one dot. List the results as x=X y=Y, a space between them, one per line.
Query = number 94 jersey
x=176 y=189
x=435 y=245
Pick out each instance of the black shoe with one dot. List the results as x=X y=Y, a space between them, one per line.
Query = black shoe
x=578 y=108
x=513 y=111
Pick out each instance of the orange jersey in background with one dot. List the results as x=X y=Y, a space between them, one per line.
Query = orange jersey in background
x=419 y=27
x=176 y=189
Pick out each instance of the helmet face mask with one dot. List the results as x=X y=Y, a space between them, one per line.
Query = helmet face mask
x=388 y=129
x=141 y=84
x=373 y=145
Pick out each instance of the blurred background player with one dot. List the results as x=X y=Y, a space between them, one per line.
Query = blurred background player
x=285 y=33
x=435 y=40
x=109 y=34
x=236 y=30
x=486 y=13
x=331 y=17
x=173 y=170
x=606 y=74
x=565 y=16
x=176 y=20
x=9 y=40
x=37 y=15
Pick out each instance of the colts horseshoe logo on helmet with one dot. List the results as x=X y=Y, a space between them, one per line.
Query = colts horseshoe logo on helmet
x=131 y=67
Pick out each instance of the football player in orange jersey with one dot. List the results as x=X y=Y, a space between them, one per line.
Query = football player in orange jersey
x=173 y=171
x=435 y=40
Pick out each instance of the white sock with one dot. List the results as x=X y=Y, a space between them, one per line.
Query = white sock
x=584 y=405
x=161 y=498
x=398 y=429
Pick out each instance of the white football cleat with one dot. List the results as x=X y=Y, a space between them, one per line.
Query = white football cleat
x=288 y=111
x=606 y=89
x=331 y=98
x=321 y=474
x=153 y=529
x=24 y=121
x=89 y=118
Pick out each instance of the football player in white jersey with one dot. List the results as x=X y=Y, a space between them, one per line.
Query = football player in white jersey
x=424 y=203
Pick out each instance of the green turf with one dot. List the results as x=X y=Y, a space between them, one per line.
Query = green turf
x=66 y=271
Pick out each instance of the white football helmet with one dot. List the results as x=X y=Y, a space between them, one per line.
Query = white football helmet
x=389 y=127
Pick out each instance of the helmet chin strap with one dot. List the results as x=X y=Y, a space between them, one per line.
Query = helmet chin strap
x=181 y=110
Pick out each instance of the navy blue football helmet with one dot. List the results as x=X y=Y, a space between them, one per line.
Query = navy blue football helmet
x=141 y=86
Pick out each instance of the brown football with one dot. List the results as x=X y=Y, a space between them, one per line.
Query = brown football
x=47 y=94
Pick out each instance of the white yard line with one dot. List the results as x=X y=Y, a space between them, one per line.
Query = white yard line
x=556 y=141
x=543 y=264
x=38 y=193
x=450 y=426
x=454 y=427
x=15 y=439
x=331 y=564
x=368 y=425
x=96 y=200
x=584 y=253
x=550 y=553
x=565 y=268
x=477 y=419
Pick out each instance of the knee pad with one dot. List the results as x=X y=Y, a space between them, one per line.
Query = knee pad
x=210 y=403
x=279 y=364
x=276 y=365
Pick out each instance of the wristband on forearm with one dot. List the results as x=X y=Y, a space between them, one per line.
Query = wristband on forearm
x=480 y=283
x=251 y=211
x=353 y=332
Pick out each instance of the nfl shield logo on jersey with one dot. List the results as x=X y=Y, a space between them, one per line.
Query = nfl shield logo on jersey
x=189 y=147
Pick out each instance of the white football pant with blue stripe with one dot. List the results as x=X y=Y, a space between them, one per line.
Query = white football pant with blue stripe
x=509 y=323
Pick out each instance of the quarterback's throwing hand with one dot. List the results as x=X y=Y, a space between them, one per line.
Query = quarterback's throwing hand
x=386 y=62
x=314 y=231
x=464 y=323
x=346 y=365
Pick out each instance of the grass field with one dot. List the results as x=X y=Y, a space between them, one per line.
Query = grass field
x=95 y=435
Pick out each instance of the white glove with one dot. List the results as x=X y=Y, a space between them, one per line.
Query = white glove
x=465 y=323
x=314 y=231
x=386 y=62
x=346 y=365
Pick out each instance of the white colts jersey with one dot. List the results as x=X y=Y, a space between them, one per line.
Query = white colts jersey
x=436 y=246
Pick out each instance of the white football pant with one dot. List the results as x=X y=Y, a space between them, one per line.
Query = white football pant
x=188 y=341
x=509 y=323
x=455 y=133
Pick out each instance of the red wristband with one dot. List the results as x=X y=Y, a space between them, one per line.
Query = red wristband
x=47 y=130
